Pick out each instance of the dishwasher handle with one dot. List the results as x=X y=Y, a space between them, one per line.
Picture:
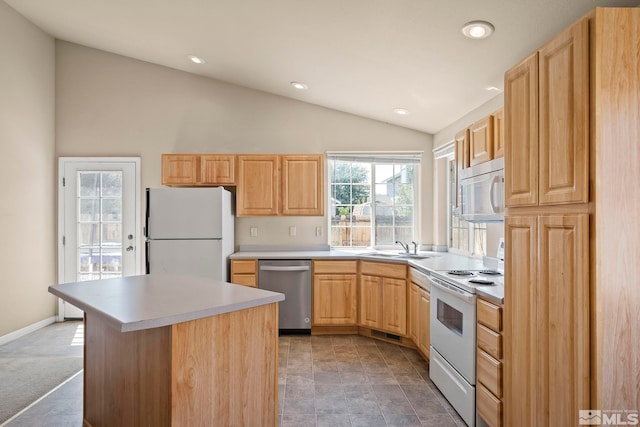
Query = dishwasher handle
x=284 y=268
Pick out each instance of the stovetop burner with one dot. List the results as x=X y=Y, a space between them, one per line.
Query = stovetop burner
x=481 y=282
x=490 y=272
x=460 y=273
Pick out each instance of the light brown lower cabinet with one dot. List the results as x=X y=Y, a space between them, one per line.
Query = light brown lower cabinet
x=335 y=285
x=489 y=384
x=383 y=296
x=244 y=272
x=418 y=311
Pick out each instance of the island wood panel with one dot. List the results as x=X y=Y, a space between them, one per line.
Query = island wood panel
x=616 y=247
x=127 y=376
x=564 y=117
x=222 y=376
x=521 y=133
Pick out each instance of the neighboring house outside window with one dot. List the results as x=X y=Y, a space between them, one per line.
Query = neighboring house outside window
x=374 y=199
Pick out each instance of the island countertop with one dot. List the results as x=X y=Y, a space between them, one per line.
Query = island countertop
x=149 y=301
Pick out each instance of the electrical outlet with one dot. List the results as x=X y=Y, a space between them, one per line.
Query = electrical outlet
x=318 y=231
x=253 y=231
x=292 y=231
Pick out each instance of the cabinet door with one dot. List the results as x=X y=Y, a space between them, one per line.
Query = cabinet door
x=334 y=299
x=520 y=321
x=217 y=169
x=302 y=185
x=481 y=141
x=564 y=117
x=371 y=301
x=462 y=157
x=521 y=133
x=179 y=169
x=394 y=307
x=414 y=312
x=498 y=133
x=257 y=192
x=424 y=338
x=562 y=344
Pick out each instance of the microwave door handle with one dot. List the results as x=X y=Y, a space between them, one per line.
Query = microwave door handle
x=494 y=181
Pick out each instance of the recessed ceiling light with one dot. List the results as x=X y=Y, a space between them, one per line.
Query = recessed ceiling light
x=299 y=86
x=477 y=29
x=195 y=59
x=401 y=111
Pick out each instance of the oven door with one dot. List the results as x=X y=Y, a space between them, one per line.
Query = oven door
x=453 y=327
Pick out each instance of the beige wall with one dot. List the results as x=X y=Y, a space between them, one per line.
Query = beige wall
x=27 y=211
x=109 y=105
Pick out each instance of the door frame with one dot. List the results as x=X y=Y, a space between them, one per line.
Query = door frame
x=62 y=161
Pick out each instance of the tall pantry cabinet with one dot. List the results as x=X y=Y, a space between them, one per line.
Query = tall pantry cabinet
x=572 y=150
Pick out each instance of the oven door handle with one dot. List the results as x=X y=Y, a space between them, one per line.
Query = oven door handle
x=465 y=296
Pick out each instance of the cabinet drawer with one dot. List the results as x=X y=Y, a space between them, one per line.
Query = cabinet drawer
x=489 y=407
x=245 y=280
x=490 y=373
x=249 y=266
x=490 y=315
x=490 y=341
x=398 y=271
x=337 y=267
x=419 y=278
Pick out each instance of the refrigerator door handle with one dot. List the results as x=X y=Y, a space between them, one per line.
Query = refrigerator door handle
x=146 y=217
x=147 y=247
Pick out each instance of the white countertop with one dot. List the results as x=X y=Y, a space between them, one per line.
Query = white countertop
x=150 y=301
x=436 y=261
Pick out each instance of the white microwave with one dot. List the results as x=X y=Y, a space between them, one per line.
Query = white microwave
x=481 y=192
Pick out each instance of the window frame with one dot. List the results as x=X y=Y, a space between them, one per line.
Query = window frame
x=390 y=158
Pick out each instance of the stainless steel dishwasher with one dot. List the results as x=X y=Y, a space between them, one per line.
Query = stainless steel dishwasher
x=293 y=279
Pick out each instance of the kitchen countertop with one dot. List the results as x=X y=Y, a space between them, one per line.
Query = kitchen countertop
x=150 y=301
x=436 y=261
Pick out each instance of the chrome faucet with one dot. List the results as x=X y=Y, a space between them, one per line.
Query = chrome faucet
x=415 y=247
x=404 y=245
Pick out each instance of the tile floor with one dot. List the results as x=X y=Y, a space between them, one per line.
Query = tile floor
x=337 y=380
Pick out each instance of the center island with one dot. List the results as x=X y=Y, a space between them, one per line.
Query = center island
x=170 y=350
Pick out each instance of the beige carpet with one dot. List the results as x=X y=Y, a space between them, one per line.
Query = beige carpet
x=24 y=380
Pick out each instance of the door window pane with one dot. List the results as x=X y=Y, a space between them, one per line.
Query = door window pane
x=99 y=224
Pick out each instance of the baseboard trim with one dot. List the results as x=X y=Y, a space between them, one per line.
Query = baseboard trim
x=26 y=330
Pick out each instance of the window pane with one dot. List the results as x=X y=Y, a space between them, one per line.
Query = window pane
x=112 y=234
x=89 y=210
x=89 y=183
x=88 y=235
x=112 y=261
x=88 y=260
x=111 y=209
x=111 y=184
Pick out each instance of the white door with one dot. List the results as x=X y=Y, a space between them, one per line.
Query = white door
x=98 y=221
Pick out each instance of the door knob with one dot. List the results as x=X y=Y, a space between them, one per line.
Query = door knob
x=130 y=248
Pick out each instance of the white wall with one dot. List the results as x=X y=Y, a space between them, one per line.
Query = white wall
x=27 y=211
x=110 y=105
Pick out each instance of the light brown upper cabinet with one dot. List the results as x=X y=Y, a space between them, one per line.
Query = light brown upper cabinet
x=258 y=185
x=498 y=133
x=481 y=141
x=462 y=157
x=180 y=169
x=271 y=185
x=547 y=123
x=218 y=169
x=302 y=185
x=194 y=170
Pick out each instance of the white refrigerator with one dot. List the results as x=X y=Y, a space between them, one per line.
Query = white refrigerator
x=189 y=231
